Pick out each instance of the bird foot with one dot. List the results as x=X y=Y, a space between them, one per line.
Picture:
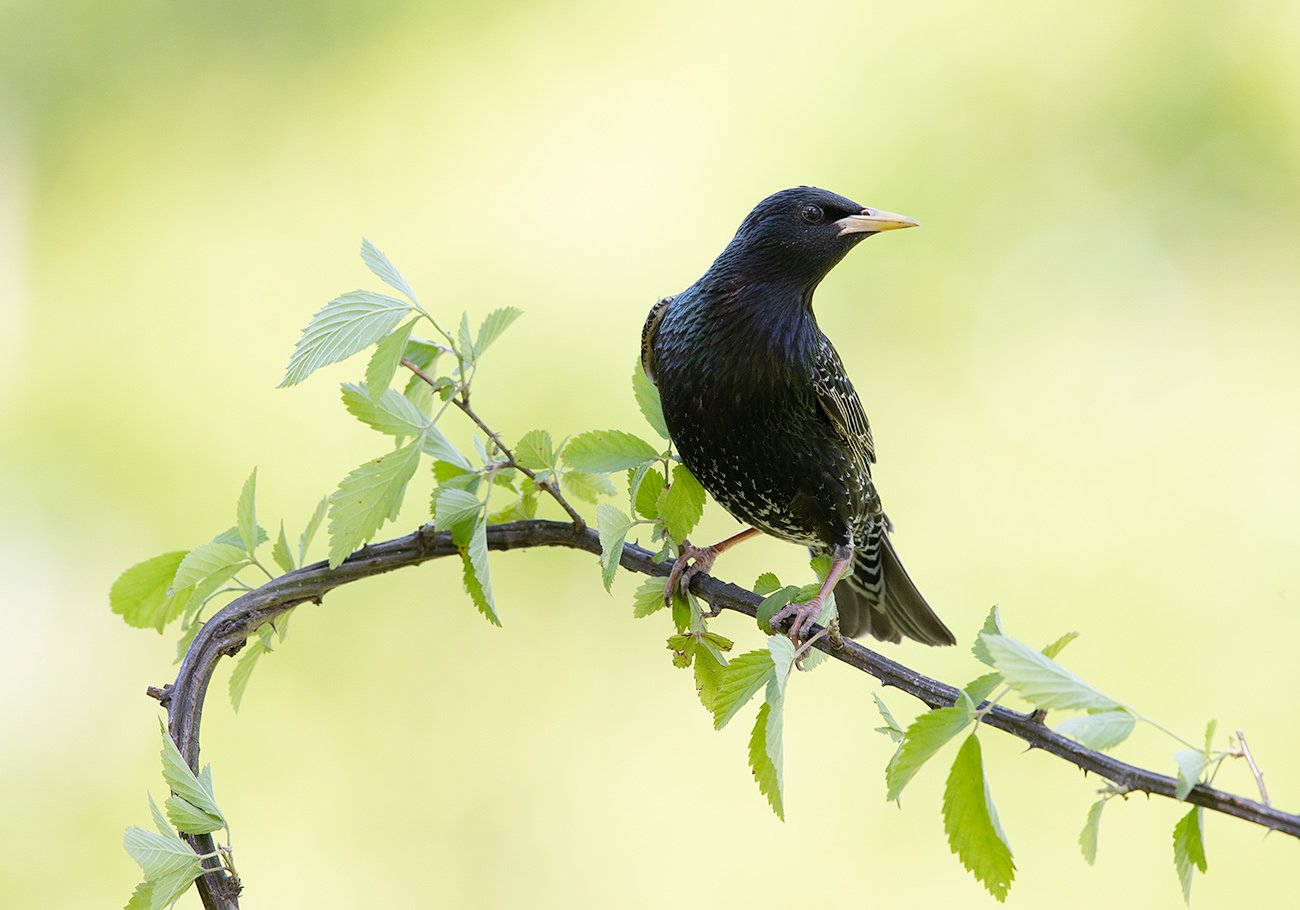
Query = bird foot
x=801 y=616
x=690 y=562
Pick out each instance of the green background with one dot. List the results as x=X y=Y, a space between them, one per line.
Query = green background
x=1081 y=373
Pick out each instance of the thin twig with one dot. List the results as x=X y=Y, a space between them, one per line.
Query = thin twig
x=1254 y=768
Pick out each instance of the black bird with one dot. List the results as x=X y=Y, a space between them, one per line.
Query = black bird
x=761 y=411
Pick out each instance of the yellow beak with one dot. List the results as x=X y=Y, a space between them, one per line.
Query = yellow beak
x=871 y=221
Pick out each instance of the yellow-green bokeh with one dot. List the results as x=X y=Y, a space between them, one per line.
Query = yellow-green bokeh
x=1081 y=373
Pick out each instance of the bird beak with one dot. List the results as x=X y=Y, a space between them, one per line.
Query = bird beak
x=872 y=221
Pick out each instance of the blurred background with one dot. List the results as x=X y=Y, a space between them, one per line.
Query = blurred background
x=1081 y=374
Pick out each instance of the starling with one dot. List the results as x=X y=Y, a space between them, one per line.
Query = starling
x=762 y=413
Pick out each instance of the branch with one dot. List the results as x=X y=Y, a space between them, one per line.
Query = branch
x=226 y=633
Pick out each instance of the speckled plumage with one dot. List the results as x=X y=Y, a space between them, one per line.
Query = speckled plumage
x=763 y=413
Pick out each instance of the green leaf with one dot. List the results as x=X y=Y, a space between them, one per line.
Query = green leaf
x=587 y=487
x=766 y=752
x=139 y=595
x=165 y=891
x=741 y=678
x=1058 y=646
x=612 y=525
x=709 y=666
x=981 y=687
x=370 y=495
x=384 y=270
x=246 y=514
x=141 y=897
x=604 y=451
x=647 y=399
x=782 y=651
x=190 y=819
x=925 y=736
x=682 y=504
x=385 y=360
x=456 y=511
x=644 y=486
x=971 y=822
x=992 y=626
x=772 y=603
x=1040 y=680
x=159 y=820
x=649 y=597
x=159 y=855
x=281 y=553
x=1189 y=849
x=1209 y=736
x=205 y=569
x=1100 y=729
x=766 y=584
x=494 y=323
x=391 y=414
x=476 y=574
x=465 y=343
x=1088 y=836
x=183 y=782
x=243 y=671
x=313 y=525
x=342 y=327
x=1191 y=765
x=891 y=727
x=535 y=451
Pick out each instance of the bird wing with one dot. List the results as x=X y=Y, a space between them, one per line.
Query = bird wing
x=651 y=326
x=840 y=403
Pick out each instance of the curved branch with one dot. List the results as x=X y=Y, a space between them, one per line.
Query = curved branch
x=226 y=633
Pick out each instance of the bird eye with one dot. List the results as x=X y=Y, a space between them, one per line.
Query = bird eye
x=812 y=214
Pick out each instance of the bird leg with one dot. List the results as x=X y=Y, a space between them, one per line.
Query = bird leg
x=693 y=560
x=802 y=615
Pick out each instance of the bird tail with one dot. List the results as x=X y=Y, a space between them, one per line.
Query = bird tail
x=879 y=597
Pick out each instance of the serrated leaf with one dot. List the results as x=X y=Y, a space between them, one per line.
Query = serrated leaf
x=391 y=414
x=1189 y=849
x=385 y=360
x=313 y=525
x=141 y=897
x=647 y=399
x=612 y=525
x=383 y=269
x=281 y=553
x=159 y=820
x=1209 y=735
x=891 y=727
x=587 y=487
x=992 y=626
x=243 y=671
x=159 y=855
x=1058 y=646
x=477 y=577
x=190 y=819
x=682 y=504
x=246 y=513
x=709 y=666
x=1191 y=765
x=771 y=604
x=606 y=451
x=535 y=451
x=971 y=822
x=205 y=569
x=342 y=327
x=1088 y=836
x=494 y=323
x=766 y=753
x=981 y=687
x=1040 y=680
x=741 y=678
x=139 y=595
x=456 y=511
x=766 y=584
x=1099 y=730
x=782 y=651
x=649 y=597
x=367 y=497
x=925 y=736
x=183 y=782
x=465 y=343
x=644 y=486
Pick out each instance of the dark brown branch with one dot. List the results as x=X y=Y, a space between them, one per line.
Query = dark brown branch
x=227 y=631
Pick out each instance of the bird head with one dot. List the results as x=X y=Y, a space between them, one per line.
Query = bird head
x=798 y=235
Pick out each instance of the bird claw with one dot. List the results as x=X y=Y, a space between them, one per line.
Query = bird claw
x=801 y=616
x=690 y=562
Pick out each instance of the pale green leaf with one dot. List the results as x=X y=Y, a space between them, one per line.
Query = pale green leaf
x=342 y=327
x=243 y=671
x=384 y=270
x=1058 y=646
x=766 y=753
x=190 y=819
x=477 y=576
x=159 y=820
x=456 y=511
x=1209 y=735
x=925 y=736
x=159 y=855
x=891 y=727
x=604 y=451
x=1191 y=765
x=981 y=687
x=1091 y=828
x=741 y=678
x=992 y=626
x=649 y=597
x=535 y=451
x=385 y=360
x=647 y=399
x=368 y=497
x=139 y=595
x=709 y=665
x=612 y=525
x=465 y=342
x=313 y=525
x=141 y=897
x=682 y=504
x=205 y=569
x=1099 y=730
x=231 y=536
x=494 y=323
x=246 y=513
x=771 y=604
x=587 y=487
x=971 y=822
x=165 y=891
x=1039 y=679
x=281 y=553
x=782 y=651
x=766 y=584
x=1189 y=849
x=439 y=447
x=392 y=414
x=182 y=781
x=645 y=486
